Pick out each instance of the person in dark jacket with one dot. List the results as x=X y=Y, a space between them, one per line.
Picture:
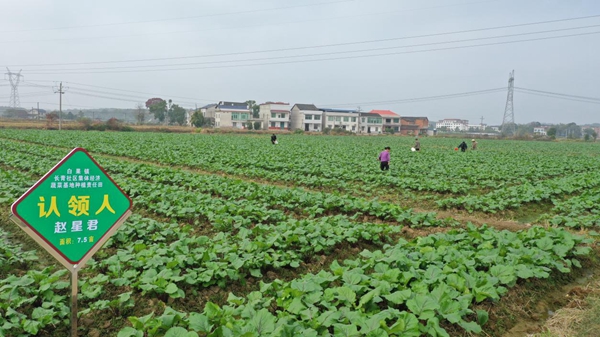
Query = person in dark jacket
x=273 y=139
x=463 y=146
x=417 y=145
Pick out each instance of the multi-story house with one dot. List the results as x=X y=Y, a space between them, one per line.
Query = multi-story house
x=275 y=115
x=306 y=117
x=341 y=118
x=540 y=130
x=453 y=124
x=391 y=120
x=477 y=127
x=414 y=125
x=208 y=111
x=230 y=115
x=371 y=123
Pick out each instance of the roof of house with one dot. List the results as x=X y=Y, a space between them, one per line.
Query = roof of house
x=369 y=114
x=413 y=119
x=338 y=110
x=279 y=103
x=209 y=106
x=310 y=107
x=233 y=105
x=385 y=113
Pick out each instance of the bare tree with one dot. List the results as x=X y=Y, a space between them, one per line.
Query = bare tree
x=140 y=114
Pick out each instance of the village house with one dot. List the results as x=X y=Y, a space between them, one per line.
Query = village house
x=306 y=117
x=477 y=127
x=371 y=123
x=540 y=130
x=453 y=124
x=341 y=118
x=229 y=114
x=414 y=125
x=391 y=120
x=208 y=111
x=275 y=115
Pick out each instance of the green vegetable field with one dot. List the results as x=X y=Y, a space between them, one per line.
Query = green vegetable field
x=232 y=236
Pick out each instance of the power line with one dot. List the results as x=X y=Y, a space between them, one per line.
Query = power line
x=559 y=94
x=107 y=97
x=119 y=95
x=30 y=94
x=107 y=92
x=557 y=97
x=316 y=46
x=421 y=99
x=41 y=81
x=76 y=106
x=179 y=18
x=195 y=100
x=35 y=85
x=328 y=53
x=326 y=59
x=145 y=93
x=362 y=15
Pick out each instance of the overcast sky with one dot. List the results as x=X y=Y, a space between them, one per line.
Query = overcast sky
x=38 y=36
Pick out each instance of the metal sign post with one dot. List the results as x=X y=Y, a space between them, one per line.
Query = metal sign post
x=71 y=212
x=74 y=280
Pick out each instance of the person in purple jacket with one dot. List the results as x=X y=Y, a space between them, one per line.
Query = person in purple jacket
x=384 y=159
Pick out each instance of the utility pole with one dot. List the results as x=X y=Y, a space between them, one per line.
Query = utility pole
x=60 y=93
x=38 y=110
x=508 y=122
x=481 y=125
x=14 y=79
x=358 y=126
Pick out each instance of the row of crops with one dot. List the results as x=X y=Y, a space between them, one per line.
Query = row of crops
x=307 y=160
x=207 y=255
x=405 y=289
x=187 y=196
x=502 y=176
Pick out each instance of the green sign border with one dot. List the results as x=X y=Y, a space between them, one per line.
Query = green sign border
x=31 y=230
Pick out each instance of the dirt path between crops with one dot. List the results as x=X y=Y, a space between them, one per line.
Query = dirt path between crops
x=561 y=310
x=477 y=220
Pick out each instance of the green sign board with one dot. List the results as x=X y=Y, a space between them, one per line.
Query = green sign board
x=73 y=208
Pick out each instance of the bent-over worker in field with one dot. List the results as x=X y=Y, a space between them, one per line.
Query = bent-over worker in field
x=417 y=145
x=273 y=139
x=384 y=159
x=463 y=146
x=473 y=144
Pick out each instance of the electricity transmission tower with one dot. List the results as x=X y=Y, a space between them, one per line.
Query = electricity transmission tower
x=508 y=123
x=14 y=79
